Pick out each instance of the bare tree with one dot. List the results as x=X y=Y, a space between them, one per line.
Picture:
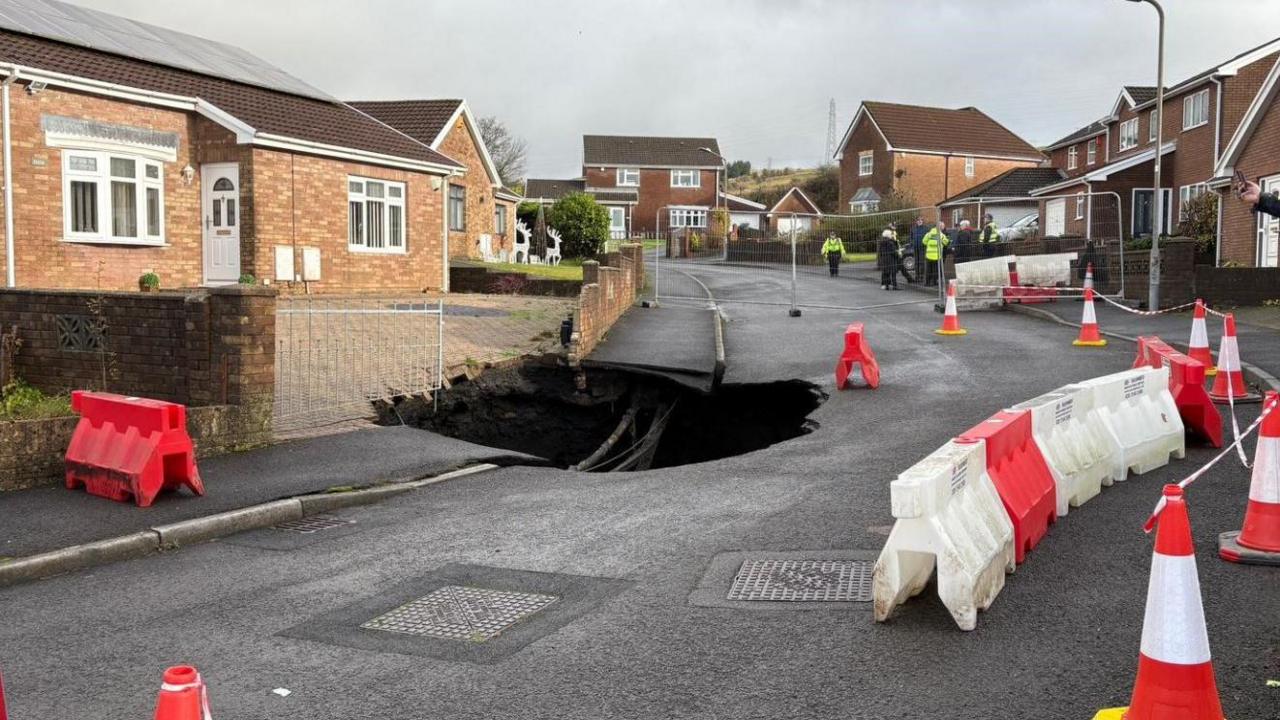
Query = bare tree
x=508 y=151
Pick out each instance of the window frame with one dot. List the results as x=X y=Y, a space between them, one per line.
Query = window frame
x=1151 y=126
x=685 y=215
x=500 y=223
x=388 y=202
x=1190 y=102
x=1073 y=155
x=969 y=166
x=1129 y=131
x=103 y=179
x=869 y=156
x=1185 y=196
x=621 y=174
x=449 y=199
x=1079 y=206
x=694 y=175
x=1091 y=152
x=957 y=214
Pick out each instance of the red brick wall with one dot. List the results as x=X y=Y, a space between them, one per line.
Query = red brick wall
x=864 y=137
x=608 y=289
x=656 y=193
x=930 y=179
x=1238 y=92
x=1059 y=158
x=462 y=146
x=1261 y=158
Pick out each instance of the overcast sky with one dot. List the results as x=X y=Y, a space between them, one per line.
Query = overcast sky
x=756 y=74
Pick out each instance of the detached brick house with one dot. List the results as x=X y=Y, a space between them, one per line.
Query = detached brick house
x=1202 y=116
x=676 y=178
x=201 y=163
x=1253 y=149
x=481 y=212
x=926 y=153
x=620 y=202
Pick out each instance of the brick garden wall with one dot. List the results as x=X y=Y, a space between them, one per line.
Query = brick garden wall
x=1237 y=286
x=213 y=350
x=471 y=279
x=609 y=287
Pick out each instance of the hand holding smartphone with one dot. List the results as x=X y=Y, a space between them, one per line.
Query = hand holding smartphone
x=1242 y=184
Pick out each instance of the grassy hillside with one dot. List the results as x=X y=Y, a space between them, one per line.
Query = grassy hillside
x=768 y=186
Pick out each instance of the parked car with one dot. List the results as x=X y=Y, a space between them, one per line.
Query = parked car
x=1024 y=227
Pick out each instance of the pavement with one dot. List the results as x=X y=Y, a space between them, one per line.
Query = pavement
x=673 y=341
x=49 y=518
x=629 y=556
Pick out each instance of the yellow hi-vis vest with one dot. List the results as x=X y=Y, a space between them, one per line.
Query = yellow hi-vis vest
x=832 y=245
x=933 y=242
x=995 y=233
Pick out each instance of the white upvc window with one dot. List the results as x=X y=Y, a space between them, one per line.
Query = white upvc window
x=968 y=166
x=957 y=214
x=112 y=198
x=688 y=218
x=1195 y=110
x=1080 y=206
x=1129 y=134
x=866 y=162
x=1072 y=154
x=1186 y=194
x=1091 y=152
x=628 y=177
x=685 y=178
x=1151 y=126
x=500 y=219
x=375 y=215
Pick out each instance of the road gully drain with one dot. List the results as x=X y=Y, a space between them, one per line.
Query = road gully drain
x=313 y=523
x=456 y=612
x=803 y=581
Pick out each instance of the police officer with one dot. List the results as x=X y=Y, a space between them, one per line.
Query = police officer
x=833 y=248
x=989 y=237
x=935 y=243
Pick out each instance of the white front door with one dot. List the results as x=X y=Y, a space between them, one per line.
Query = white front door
x=618 y=223
x=1269 y=229
x=1055 y=223
x=220 y=185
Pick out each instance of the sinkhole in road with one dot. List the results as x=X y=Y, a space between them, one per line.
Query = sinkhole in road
x=609 y=420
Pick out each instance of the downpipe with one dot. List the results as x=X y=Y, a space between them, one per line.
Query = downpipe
x=10 y=261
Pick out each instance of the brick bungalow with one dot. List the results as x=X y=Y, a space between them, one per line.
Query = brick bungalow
x=482 y=213
x=676 y=179
x=927 y=154
x=620 y=202
x=1201 y=116
x=794 y=210
x=121 y=163
x=1007 y=197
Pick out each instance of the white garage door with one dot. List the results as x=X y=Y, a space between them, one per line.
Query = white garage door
x=1055 y=223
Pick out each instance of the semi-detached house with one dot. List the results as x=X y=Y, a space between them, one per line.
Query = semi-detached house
x=1202 y=117
x=676 y=179
x=168 y=153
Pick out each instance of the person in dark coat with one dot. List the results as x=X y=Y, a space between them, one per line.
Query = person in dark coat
x=1251 y=192
x=964 y=245
x=887 y=258
x=918 y=232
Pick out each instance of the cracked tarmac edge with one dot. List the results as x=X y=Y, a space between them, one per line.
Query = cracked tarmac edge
x=196 y=530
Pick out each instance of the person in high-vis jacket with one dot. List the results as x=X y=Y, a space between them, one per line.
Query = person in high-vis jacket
x=990 y=236
x=833 y=248
x=935 y=243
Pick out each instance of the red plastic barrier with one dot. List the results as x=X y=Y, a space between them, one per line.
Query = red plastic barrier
x=857 y=352
x=1016 y=293
x=4 y=715
x=130 y=447
x=1020 y=475
x=1186 y=384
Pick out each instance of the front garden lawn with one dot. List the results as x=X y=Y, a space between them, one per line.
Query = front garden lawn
x=859 y=257
x=568 y=269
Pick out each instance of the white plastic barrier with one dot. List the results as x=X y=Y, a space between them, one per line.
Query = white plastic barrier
x=1045 y=270
x=1074 y=441
x=949 y=515
x=988 y=271
x=1140 y=417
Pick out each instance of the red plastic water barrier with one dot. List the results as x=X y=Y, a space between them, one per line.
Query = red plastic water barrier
x=1186 y=384
x=1020 y=475
x=130 y=447
x=857 y=352
x=4 y=715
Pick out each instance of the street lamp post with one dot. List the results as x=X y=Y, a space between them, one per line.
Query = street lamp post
x=1157 y=203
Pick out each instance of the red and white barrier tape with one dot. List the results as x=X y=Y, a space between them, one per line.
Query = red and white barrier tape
x=1238 y=443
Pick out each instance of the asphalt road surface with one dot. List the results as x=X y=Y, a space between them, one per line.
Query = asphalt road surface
x=626 y=554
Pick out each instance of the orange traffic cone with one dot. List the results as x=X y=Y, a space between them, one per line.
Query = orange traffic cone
x=1089 y=335
x=1175 y=672
x=950 y=320
x=1228 y=386
x=182 y=695
x=1258 y=542
x=1088 y=276
x=1198 y=348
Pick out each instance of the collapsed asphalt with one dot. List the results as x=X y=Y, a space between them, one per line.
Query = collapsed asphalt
x=1060 y=641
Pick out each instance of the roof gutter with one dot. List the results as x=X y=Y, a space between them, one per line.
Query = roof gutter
x=10 y=261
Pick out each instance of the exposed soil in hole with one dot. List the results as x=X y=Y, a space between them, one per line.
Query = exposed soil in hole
x=618 y=421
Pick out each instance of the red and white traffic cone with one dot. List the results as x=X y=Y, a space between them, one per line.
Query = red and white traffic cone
x=1088 y=276
x=4 y=714
x=1228 y=386
x=950 y=320
x=182 y=695
x=1258 y=542
x=1198 y=348
x=1089 y=335
x=1175 y=671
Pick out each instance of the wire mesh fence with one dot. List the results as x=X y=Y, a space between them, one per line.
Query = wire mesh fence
x=335 y=356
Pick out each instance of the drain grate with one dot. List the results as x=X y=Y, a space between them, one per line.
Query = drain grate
x=314 y=523
x=803 y=581
x=457 y=612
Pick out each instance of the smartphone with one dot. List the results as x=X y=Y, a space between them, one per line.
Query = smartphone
x=1241 y=181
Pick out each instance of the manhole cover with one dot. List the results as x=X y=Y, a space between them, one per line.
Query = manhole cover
x=313 y=524
x=457 y=612
x=803 y=581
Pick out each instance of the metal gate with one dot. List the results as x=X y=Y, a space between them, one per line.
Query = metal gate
x=336 y=356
